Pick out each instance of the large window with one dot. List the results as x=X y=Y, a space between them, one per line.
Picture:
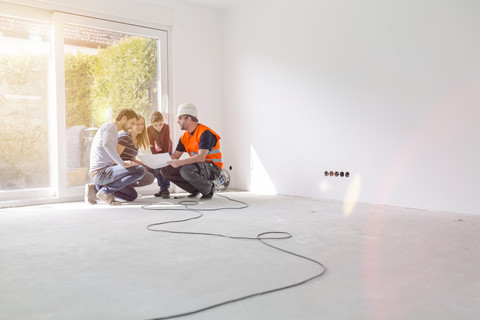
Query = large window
x=61 y=78
x=105 y=72
x=24 y=67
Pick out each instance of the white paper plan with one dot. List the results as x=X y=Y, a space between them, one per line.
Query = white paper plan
x=155 y=161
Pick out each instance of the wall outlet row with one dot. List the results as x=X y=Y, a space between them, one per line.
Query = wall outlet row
x=336 y=174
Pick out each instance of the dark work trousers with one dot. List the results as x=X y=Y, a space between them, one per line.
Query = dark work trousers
x=193 y=177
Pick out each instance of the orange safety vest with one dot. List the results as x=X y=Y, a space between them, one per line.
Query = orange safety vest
x=191 y=143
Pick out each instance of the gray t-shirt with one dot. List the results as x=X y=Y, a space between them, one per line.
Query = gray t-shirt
x=104 y=148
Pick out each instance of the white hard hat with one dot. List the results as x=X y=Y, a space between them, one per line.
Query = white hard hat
x=187 y=108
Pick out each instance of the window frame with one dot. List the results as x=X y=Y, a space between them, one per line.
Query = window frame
x=58 y=190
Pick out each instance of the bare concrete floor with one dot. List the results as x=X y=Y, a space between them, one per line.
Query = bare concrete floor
x=76 y=261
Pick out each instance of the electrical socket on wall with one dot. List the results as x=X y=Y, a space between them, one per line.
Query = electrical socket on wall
x=337 y=173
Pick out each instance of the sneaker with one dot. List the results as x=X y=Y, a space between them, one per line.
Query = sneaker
x=209 y=195
x=193 y=194
x=108 y=198
x=139 y=196
x=90 y=193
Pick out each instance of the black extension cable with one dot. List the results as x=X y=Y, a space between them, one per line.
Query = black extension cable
x=269 y=235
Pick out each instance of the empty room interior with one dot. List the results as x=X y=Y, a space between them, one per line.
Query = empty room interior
x=340 y=138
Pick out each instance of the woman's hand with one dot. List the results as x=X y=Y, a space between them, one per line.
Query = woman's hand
x=129 y=163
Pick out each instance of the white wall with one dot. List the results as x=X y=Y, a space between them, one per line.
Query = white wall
x=197 y=62
x=387 y=90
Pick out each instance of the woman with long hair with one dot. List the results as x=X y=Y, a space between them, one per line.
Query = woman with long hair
x=130 y=142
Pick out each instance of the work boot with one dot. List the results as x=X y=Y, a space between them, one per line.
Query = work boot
x=193 y=194
x=209 y=195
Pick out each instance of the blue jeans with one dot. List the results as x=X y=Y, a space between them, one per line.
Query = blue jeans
x=161 y=180
x=118 y=180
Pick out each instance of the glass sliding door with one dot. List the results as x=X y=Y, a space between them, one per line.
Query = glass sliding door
x=61 y=77
x=24 y=105
x=108 y=66
x=105 y=72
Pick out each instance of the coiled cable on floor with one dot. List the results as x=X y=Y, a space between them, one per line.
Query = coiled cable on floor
x=269 y=235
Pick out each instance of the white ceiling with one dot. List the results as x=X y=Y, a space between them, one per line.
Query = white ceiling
x=220 y=4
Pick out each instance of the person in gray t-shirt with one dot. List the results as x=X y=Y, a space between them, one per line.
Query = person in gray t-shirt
x=112 y=177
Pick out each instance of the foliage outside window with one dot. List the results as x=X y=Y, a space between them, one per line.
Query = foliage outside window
x=99 y=84
x=119 y=76
x=122 y=74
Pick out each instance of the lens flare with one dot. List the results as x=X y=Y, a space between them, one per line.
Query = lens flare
x=351 y=196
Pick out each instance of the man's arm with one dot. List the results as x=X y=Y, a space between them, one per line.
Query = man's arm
x=109 y=143
x=120 y=148
x=176 y=155
x=200 y=157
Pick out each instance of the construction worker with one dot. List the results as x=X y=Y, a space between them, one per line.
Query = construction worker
x=196 y=173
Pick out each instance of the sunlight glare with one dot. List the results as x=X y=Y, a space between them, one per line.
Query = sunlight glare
x=351 y=196
x=260 y=182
